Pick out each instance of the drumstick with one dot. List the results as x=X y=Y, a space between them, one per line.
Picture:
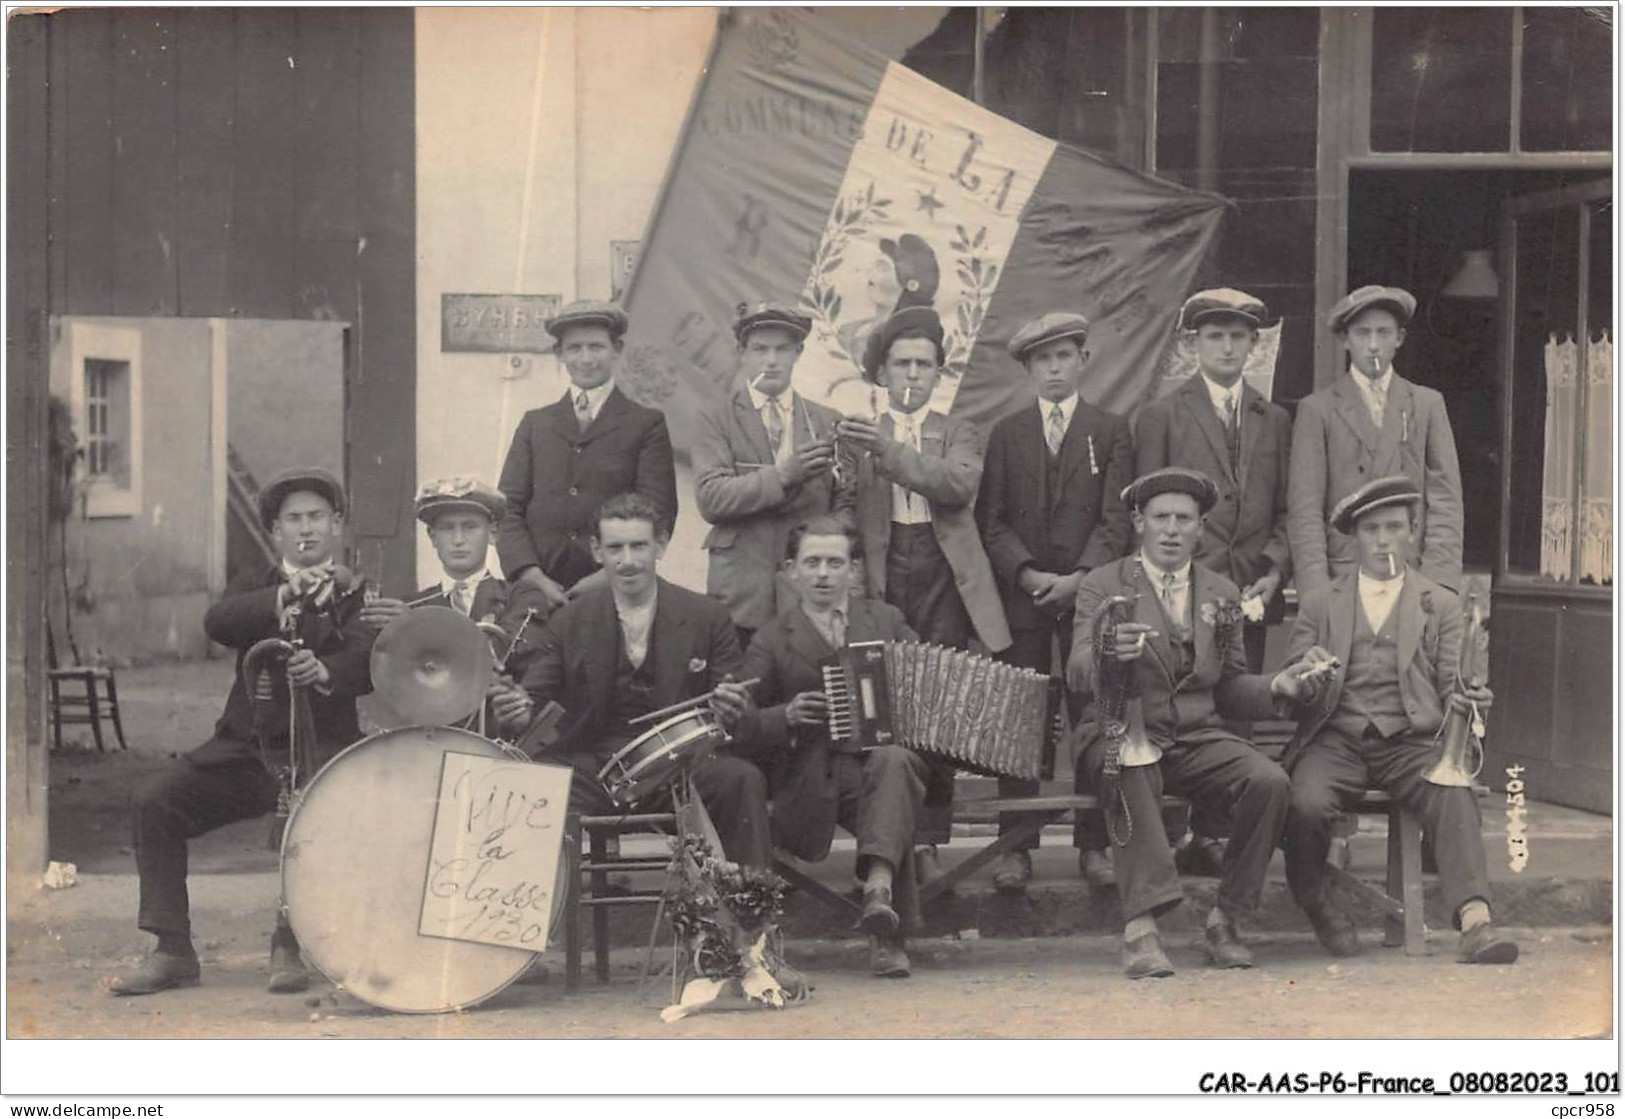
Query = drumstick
x=676 y=708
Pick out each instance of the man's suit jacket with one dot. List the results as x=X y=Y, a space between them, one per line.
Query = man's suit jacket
x=788 y=655
x=1079 y=526
x=1429 y=642
x=947 y=472
x=750 y=512
x=1336 y=449
x=556 y=476
x=247 y=614
x=1185 y=703
x=693 y=644
x=503 y=603
x=1245 y=534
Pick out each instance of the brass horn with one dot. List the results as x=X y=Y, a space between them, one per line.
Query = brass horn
x=431 y=667
x=1462 y=733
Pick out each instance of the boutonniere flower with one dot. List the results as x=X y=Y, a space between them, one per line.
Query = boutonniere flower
x=1253 y=609
x=489 y=619
x=697 y=664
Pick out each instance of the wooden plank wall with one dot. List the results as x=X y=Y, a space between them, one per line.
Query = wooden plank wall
x=247 y=162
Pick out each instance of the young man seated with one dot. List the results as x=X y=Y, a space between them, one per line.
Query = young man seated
x=461 y=516
x=1397 y=636
x=1183 y=645
x=241 y=772
x=626 y=647
x=819 y=783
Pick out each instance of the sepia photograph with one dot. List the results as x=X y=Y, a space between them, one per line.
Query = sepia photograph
x=813 y=524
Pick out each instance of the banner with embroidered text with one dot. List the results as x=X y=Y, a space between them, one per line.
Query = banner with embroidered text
x=818 y=173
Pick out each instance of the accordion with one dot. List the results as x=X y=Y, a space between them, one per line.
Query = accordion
x=974 y=712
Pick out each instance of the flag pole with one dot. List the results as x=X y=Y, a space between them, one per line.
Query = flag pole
x=978 y=81
x=724 y=17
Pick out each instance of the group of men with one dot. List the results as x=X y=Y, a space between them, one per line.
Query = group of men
x=904 y=524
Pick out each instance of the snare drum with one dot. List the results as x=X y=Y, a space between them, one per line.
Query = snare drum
x=354 y=860
x=647 y=764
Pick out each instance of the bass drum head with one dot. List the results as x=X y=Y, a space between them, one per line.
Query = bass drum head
x=355 y=858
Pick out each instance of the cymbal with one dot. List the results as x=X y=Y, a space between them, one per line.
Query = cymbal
x=431 y=666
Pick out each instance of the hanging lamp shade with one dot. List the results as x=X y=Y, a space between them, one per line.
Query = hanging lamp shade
x=1475 y=279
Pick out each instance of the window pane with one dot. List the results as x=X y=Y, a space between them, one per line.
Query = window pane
x=1441 y=80
x=1596 y=478
x=1545 y=400
x=1567 y=57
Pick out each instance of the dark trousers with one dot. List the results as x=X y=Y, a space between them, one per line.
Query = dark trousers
x=1336 y=768
x=733 y=791
x=1253 y=634
x=1030 y=648
x=920 y=583
x=1228 y=776
x=878 y=796
x=184 y=800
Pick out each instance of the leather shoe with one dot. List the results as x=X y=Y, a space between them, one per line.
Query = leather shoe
x=1486 y=944
x=1225 y=949
x=879 y=918
x=1202 y=857
x=888 y=959
x=1334 y=930
x=288 y=974
x=1096 y=868
x=1014 y=870
x=1143 y=958
x=159 y=972
x=926 y=867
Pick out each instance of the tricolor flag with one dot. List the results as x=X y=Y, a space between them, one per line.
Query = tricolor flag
x=817 y=172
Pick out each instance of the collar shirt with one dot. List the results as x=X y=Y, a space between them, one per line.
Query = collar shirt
x=1378 y=597
x=1176 y=596
x=1068 y=406
x=471 y=584
x=786 y=402
x=1374 y=393
x=636 y=624
x=908 y=507
x=832 y=623
x=1226 y=401
x=595 y=398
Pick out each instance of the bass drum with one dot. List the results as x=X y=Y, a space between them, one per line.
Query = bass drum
x=354 y=859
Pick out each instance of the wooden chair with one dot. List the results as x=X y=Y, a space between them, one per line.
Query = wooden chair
x=591 y=856
x=97 y=699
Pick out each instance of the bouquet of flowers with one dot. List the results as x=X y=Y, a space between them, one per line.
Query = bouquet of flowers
x=723 y=919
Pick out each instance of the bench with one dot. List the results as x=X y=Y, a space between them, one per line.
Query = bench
x=1401 y=898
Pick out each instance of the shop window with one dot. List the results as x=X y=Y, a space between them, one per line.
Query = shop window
x=1441 y=79
x=1567 y=102
x=1560 y=511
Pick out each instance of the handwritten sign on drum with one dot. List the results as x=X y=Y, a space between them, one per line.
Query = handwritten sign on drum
x=493 y=861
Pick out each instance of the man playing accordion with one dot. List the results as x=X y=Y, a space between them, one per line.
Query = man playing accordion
x=1176 y=651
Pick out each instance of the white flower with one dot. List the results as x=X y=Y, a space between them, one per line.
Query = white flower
x=1253 y=608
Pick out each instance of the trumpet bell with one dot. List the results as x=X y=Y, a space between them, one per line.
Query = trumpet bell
x=431 y=667
x=1137 y=749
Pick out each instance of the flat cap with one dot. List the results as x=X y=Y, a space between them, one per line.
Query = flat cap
x=1048 y=328
x=588 y=312
x=1217 y=303
x=1393 y=489
x=1172 y=479
x=1401 y=302
x=881 y=337
x=311 y=479
x=464 y=492
x=755 y=315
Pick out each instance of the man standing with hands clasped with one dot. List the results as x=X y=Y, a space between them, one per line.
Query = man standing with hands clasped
x=1051 y=510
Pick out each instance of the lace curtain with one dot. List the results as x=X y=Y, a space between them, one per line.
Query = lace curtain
x=1563 y=528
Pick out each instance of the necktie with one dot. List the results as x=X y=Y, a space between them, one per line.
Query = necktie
x=460 y=596
x=1055 y=430
x=837 y=628
x=1379 y=403
x=911 y=438
x=583 y=410
x=1175 y=615
x=1232 y=428
x=774 y=421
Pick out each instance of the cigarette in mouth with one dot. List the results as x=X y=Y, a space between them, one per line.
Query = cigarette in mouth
x=1392 y=570
x=306 y=545
x=908 y=396
x=756 y=380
